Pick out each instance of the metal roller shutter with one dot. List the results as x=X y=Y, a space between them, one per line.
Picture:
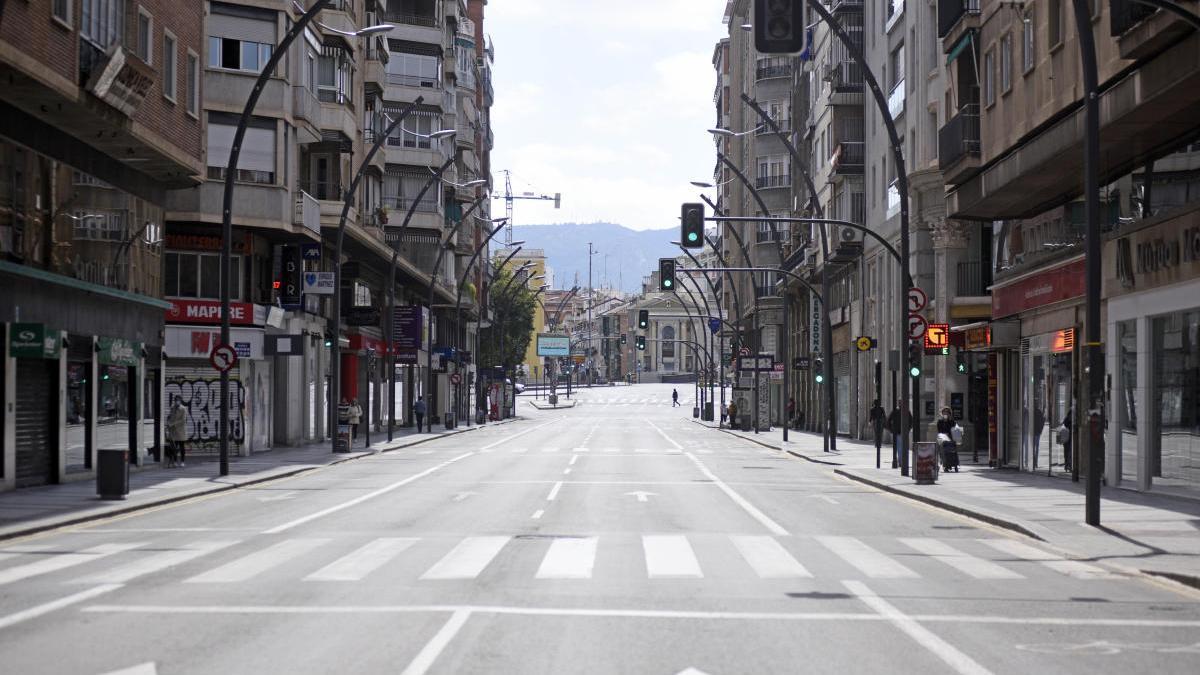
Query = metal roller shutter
x=37 y=449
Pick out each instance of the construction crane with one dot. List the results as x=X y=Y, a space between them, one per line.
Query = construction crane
x=508 y=198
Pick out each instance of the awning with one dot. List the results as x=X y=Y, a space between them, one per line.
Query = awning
x=963 y=42
x=989 y=335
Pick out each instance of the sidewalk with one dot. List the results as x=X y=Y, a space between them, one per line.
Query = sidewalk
x=1153 y=534
x=31 y=510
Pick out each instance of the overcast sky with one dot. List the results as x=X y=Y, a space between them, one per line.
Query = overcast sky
x=605 y=101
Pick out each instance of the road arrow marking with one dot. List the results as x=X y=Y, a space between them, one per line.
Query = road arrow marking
x=642 y=496
x=691 y=671
x=141 y=669
x=279 y=497
x=463 y=495
x=827 y=498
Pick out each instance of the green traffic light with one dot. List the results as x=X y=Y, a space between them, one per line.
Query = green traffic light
x=914 y=371
x=820 y=379
x=668 y=283
x=692 y=236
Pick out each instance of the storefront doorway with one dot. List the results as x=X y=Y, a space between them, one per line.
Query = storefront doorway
x=1047 y=399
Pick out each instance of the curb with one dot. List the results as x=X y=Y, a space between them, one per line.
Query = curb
x=539 y=406
x=217 y=489
x=1012 y=525
x=1188 y=580
x=772 y=447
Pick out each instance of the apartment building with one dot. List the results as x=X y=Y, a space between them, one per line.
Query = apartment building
x=99 y=126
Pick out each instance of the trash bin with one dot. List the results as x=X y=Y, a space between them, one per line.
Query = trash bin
x=553 y=399
x=696 y=411
x=925 y=465
x=449 y=420
x=344 y=438
x=708 y=411
x=112 y=473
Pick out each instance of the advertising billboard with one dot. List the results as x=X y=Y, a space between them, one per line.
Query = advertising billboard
x=553 y=345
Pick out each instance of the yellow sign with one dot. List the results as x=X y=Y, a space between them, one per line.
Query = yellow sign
x=864 y=343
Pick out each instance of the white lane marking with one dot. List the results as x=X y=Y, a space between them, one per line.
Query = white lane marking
x=769 y=558
x=567 y=472
x=258 y=562
x=63 y=561
x=147 y=668
x=463 y=495
x=960 y=662
x=554 y=491
x=868 y=561
x=537 y=515
x=967 y=564
x=467 y=559
x=362 y=498
x=612 y=449
x=425 y=452
x=433 y=649
x=581 y=450
x=519 y=450
x=774 y=527
x=358 y=564
x=574 y=458
x=549 y=449
x=1072 y=568
x=46 y=608
x=642 y=495
x=670 y=555
x=17 y=551
x=156 y=563
x=517 y=435
x=664 y=435
x=569 y=558
x=283 y=496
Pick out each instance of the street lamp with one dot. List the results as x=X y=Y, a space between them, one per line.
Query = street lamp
x=704 y=185
x=728 y=133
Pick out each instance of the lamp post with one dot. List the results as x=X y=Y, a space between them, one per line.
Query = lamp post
x=708 y=312
x=500 y=322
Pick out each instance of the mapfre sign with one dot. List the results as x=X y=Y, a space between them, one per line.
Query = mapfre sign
x=209 y=312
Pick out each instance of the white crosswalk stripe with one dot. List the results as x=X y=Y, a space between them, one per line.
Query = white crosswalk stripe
x=121 y=574
x=258 y=562
x=768 y=558
x=977 y=568
x=1072 y=568
x=62 y=561
x=468 y=559
x=358 y=564
x=569 y=558
x=866 y=559
x=670 y=556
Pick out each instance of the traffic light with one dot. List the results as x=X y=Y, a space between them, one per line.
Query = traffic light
x=623 y=340
x=779 y=26
x=641 y=343
x=666 y=274
x=643 y=318
x=818 y=371
x=914 y=359
x=960 y=362
x=691 y=226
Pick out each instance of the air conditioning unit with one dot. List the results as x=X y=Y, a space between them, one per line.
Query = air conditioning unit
x=847 y=234
x=828 y=72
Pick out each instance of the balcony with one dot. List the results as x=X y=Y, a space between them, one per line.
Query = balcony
x=770 y=236
x=1142 y=32
x=325 y=191
x=403 y=88
x=413 y=152
x=969 y=280
x=414 y=27
x=375 y=69
x=784 y=124
x=950 y=12
x=958 y=145
x=896 y=100
x=840 y=6
x=308 y=213
x=846 y=83
x=768 y=69
x=427 y=213
x=306 y=110
x=780 y=181
x=339 y=118
x=849 y=158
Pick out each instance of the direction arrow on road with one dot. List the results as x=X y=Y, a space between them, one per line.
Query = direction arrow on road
x=691 y=671
x=463 y=495
x=279 y=497
x=141 y=669
x=641 y=495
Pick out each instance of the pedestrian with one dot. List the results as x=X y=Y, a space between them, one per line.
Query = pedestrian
x=791 y=410
x=896 y=427
x=878 y=417
x=948 y=435
x=724 y=413
x=354 y=416
x=674 y=398
x=1064 y=438
x=733 y=411
x=1039 y=421
x=419 y=412
x=176 y=433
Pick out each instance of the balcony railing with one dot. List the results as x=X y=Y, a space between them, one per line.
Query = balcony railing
x=764 y=236
x=308 y=213
x=969 y=279
x=399 y=205
x=411 y=19
x=425 y=82
x=775 y=70
x=960 y=137
x=784 y=124
x=847 y=76
x=896 y=100
x=773 y=181
x=849 y=157
x=950 y=11
x=323 y=190
x=846 y=6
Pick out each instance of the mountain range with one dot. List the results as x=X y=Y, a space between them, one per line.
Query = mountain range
x=623 y=257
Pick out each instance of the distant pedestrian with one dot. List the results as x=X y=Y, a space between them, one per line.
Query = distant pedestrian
x=724 y=413
x=354 y=416
x=733 y=411
x=878 y=417
x=176 y=433
x=419 y=412
x=791 y=411
x=1064 y=438
x=674 y=398
x=948 y=435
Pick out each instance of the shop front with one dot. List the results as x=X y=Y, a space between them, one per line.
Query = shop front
x=1152 y=287
x=987 y=348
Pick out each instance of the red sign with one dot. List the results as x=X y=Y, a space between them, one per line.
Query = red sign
x=223 y=358
x=937 y=335
x=1044 y=288
x=209 y=311
x=360 y=342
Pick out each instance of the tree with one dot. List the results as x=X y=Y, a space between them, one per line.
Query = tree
x=512 y=310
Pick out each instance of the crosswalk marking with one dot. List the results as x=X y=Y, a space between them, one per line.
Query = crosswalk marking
x=1072 y=568
x=569 y=558
x=977 y=568
x=768 y=558
x=467 y=559
x=866 y=559
x=156 y=563
x=62 y=561
x=258 y=562
x=358 y=564
x=670 y=555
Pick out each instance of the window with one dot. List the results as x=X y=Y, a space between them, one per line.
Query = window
x=414 y=131
x=1006 y=63
x=198 y=275
x=170 y=74
x=989 y=77
x=232 y=54
x=61 y=10
x=1054 y=24
x=256 y=163
x=414 y=70
x=103 y=22
x=898 y=65
x=99 y=225
x=334 y=77
x=145 y=36
x=1028 y=45
x=193 y=83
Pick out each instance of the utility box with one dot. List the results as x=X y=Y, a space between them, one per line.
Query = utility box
x=344 y=438
x=553 y=399
x=112 y=473
x=708 y=411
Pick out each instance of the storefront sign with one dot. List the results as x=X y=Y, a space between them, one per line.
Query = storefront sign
x=1043 y=288
x=978 y=338
x=182 y=241
x=993 y=398
x=1154 y=256
x=1058 y=342
x=553 y=345
x=814 y=330
x=118 y=351
x=410 y=327
x=32 y=341
x=209 y=312
x=123 y=82
x=937 y=336
x=187 y=342
x=318 y=283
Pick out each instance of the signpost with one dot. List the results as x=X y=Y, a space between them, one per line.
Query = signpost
x=916 y=326
x=223 y=358
x=917 y=300
x=865 y=343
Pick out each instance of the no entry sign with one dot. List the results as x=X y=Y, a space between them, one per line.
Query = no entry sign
x=223 y=357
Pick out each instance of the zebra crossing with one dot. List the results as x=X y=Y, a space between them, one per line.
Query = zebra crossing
x=634 y=400
x=612 y=450
x=568 y=558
